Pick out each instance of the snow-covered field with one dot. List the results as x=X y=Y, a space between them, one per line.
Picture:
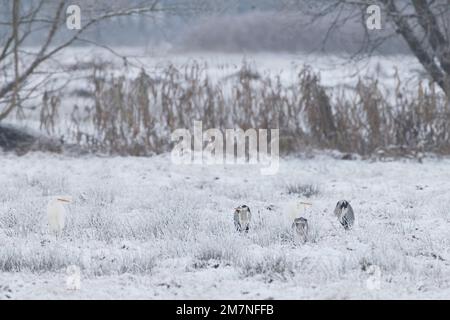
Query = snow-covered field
x=145 y=228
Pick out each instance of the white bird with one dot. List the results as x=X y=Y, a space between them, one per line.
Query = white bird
x=345 y=214
x=300 y=229
x=242 y=218
x=73 y=279
x=56 y=214
x=292 y=209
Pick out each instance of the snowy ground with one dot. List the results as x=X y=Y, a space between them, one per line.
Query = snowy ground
x=147 y=229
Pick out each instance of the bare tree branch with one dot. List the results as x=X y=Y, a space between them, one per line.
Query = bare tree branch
x=49 y=48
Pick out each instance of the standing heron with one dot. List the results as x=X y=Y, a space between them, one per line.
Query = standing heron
x=56 y=214
x=300 y=229
x=300 y=224
x=345 y=214
x=242 y=218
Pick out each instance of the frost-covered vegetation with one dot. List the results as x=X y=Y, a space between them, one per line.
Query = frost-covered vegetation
x=144 y=228
x=388 y=110
x=135 y=114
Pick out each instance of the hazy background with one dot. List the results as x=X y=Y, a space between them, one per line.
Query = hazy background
x=225 y=26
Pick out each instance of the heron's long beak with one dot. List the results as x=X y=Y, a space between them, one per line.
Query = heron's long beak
x=306 y=203
x=63 y=200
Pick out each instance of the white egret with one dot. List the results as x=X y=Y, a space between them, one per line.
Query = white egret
x=293 y=208
x=56 y=214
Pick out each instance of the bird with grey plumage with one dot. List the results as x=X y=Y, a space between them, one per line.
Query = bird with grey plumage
x=344 y=212
x=300 y=229
x=242 y=218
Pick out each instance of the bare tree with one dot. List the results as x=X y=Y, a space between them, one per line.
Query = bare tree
x=427 y=34
x=423 y=24
x=19 y=63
